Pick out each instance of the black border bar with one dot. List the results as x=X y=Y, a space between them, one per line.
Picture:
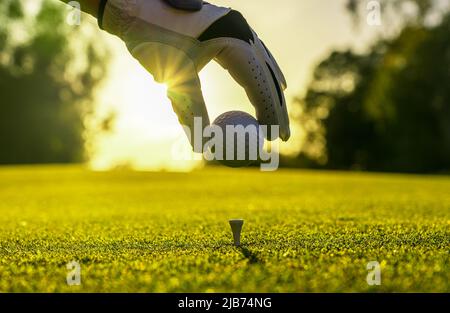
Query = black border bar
x=262 y=302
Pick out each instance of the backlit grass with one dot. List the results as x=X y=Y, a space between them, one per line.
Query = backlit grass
x=147 y=232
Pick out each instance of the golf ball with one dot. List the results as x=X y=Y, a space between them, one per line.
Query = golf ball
x=242 y=139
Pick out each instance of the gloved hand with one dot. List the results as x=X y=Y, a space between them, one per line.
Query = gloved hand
x=174 y=45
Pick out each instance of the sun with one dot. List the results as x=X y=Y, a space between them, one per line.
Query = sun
x=146 y=126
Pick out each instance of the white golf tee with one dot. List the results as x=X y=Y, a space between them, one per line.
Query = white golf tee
x=236 y=227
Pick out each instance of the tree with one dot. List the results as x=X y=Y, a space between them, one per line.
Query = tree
x=386 y=110
x=48 y=74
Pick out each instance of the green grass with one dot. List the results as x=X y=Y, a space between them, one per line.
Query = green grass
x=144 y=232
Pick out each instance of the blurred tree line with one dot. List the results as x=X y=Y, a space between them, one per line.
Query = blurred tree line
x=384 y=110
x=387 y=109
x=48 y=74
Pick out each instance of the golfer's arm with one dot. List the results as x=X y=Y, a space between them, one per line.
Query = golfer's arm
x=87 y=6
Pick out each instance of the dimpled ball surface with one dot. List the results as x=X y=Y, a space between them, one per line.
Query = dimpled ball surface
x=252 y=138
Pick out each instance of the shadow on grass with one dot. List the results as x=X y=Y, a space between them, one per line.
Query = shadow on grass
x=251 y=256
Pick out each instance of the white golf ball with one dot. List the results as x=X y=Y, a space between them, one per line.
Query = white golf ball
x=242 y=139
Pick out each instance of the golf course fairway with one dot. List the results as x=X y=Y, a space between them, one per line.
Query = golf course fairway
x=304 y=231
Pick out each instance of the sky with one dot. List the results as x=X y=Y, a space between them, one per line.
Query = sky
x=147 y=135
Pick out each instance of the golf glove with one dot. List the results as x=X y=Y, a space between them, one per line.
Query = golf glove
x=174 y=45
